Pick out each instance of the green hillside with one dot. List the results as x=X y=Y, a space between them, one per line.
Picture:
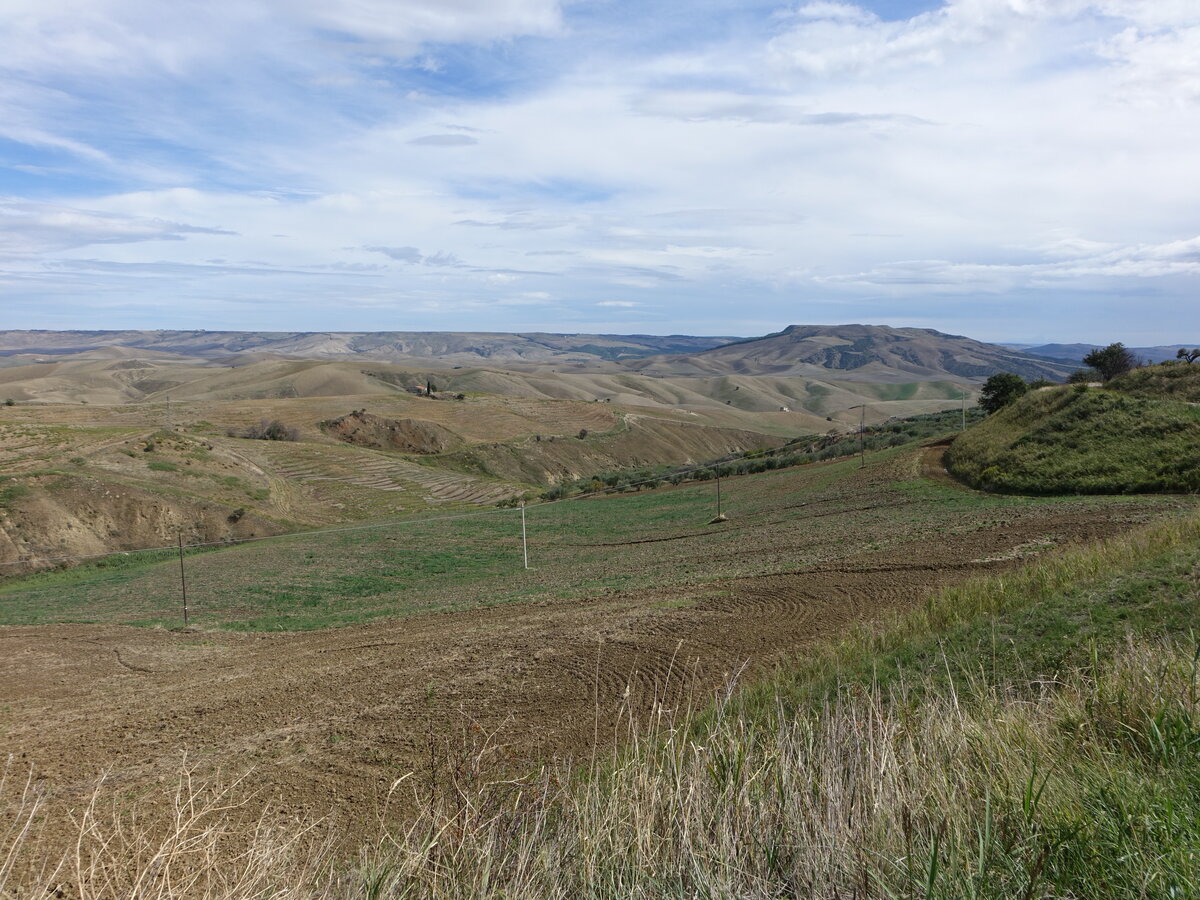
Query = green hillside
x=1135 y=435
x=1175 y=381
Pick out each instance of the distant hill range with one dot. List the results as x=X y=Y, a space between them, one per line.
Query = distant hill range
x=865 y=353
x=1076 y=352
x=858 y=353
x=393 y=346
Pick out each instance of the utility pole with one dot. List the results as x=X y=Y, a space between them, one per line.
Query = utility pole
x=718 y=495
x=862 y=434
x=964 y=410
x=524 y=538
x=182 y=581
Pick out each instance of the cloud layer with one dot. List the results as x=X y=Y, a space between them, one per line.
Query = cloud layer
x=1002 y=168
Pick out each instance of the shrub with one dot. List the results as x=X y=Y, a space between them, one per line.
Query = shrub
x=270 y=431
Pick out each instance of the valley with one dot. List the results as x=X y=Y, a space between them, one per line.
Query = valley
x=115 y=441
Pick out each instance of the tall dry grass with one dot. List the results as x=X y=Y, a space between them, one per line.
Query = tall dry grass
x=190 y=839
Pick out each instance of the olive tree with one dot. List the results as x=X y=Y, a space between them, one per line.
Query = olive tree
x=1000 y=390
x=1111 y=361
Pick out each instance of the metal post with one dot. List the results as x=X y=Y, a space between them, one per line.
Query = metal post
x=524 y=538
x=718 y=496
x=182 y=580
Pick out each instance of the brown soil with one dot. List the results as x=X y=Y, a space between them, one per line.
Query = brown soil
x=328 y=720
x=399 y=435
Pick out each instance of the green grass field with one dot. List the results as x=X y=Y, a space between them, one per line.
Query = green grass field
x=778 y=521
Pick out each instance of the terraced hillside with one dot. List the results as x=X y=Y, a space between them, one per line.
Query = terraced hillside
x=380 y=471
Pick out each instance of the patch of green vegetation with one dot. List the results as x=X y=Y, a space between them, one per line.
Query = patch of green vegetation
x=11 y=491
x=1084 y=441
x=1171 y=380
x=905 y=391
x=1050 y=616
x=162 y=465
x=797 y=452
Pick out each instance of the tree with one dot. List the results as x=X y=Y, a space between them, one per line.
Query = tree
x=1000 y=390
x=1083 y=376
x=1188 y=355
x=1111 y=361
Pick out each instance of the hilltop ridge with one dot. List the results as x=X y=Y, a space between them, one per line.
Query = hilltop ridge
x=858 y=353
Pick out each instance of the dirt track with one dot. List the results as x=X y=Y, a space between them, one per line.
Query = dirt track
x=328 y=720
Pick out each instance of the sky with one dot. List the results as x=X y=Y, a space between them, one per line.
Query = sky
x=1020 y=170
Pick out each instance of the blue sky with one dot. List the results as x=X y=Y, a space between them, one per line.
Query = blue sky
x=1006 y=169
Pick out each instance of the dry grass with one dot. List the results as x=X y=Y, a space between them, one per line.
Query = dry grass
x=189 y=839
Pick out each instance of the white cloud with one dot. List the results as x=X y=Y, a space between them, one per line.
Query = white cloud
x=822 y=156
x=30 y=229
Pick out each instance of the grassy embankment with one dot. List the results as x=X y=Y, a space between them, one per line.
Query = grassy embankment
x=1137 y=434
x=1031 y=735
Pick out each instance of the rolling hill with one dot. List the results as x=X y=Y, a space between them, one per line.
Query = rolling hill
x=446 y=348
x=857 y=353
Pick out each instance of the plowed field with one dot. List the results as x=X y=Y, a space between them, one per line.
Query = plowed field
x=327 y=720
